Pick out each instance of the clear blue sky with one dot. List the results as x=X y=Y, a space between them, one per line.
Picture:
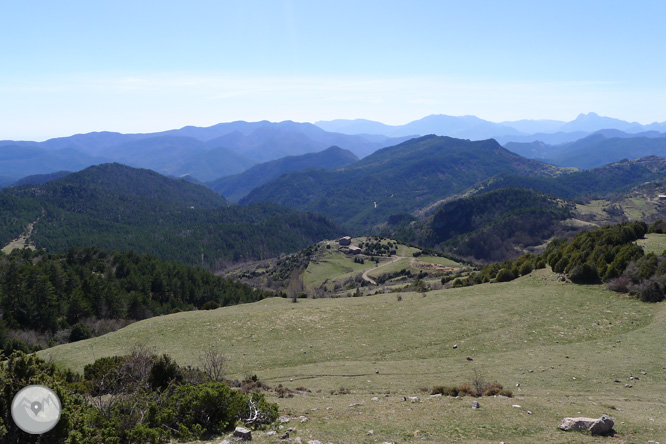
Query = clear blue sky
x=140 y=66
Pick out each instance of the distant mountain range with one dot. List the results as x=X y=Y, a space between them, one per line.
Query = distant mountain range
x=206 y=154
x=202 y=153
x=595 y=150
x=474 y=128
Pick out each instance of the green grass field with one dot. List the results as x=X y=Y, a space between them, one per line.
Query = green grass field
x=653 y=243
x=336 y=267
x=564 y=344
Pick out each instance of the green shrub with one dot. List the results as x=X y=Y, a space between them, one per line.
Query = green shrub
x=651 y=292
x=79 y=332
x=210 y=305
x=526 y=268
x=164 y=371
x=504 y=275
x=584 y=274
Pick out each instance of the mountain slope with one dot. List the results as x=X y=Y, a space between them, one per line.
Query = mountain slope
x=39 y=179
x=25 y=160
x=613 y=178
x=398 y=179
x=491 y=226
x=116 y=207
x=237 y=186
x=601 y=148
x=211 y=164
x=597 y=150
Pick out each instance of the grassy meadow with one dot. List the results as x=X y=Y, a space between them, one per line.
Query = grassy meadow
x=334 y=266
x=559 y=347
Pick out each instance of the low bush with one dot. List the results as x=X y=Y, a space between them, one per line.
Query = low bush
x=210 y=305
x=504 y=275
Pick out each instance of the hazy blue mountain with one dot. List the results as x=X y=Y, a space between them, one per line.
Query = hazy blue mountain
x=531 y=150
x=235 y=145
x=528 y=126
x=470 y=127
x=93 y=144
x=592 y=122
x=270 y=141
x=6 y=181
x=210 y=164
x=38 y=179
x=598 y=149
x=156 y=153
x=238 y=186
x=551 y=139
x=356 y=126
x=19 y=161
x=474 y=128
x=610 y=133
x=398 y=179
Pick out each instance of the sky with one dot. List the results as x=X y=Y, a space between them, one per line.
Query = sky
x=142 y=66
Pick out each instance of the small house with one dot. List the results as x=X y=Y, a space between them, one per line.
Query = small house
x=346 y=240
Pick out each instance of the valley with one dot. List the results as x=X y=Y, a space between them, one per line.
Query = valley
x=351 y=293
x=302 y=222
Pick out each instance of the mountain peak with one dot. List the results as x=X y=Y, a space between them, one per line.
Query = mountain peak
x=584 y=116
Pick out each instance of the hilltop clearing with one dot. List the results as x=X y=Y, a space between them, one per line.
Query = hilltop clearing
x=359 y=266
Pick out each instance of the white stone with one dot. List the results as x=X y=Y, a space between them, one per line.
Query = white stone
x=243 y=433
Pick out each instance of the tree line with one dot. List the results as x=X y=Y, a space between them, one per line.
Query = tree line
x=52 y=293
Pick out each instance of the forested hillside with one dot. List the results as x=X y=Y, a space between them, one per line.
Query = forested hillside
x=237 y=186
x=120 y=208
x=492 y=226
x=51 y=293
x=398 y=179
x=613 y=178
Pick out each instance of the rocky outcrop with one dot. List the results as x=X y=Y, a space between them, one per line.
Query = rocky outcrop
x=598 y=426
x=243 y=433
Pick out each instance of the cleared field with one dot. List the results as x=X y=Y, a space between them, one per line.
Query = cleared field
x=334 y=267
x=565 y=345
x=653 y=243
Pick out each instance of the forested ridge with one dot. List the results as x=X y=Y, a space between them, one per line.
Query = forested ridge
x=115 y=207
x=52 y=293
x=491 y=226
x=614 y=178
x=398 y=179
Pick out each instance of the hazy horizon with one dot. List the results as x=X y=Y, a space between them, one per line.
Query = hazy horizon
x=151 y=66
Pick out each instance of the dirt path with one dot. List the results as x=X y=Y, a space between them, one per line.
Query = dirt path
x=372 y=281
x=23 y=241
